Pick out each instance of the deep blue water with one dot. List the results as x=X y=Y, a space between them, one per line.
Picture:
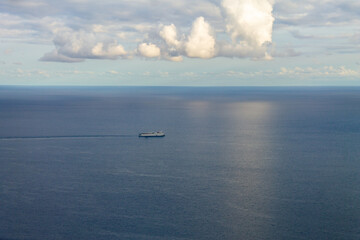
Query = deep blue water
x=236 y=163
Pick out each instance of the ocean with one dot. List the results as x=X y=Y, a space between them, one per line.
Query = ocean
x=236 y=163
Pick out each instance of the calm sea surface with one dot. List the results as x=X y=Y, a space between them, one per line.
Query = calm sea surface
x=236 y=163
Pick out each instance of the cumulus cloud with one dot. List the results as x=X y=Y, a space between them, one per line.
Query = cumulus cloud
x=169 y=34
x=149 y=50
x=111 y=50
x=244 y=28
x=201 y=41
x=172 y=49
x=249 y=24
x=249 y=20
x=72 y=46
x=96 y=36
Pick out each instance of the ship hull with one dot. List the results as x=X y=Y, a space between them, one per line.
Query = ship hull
x=152 y=134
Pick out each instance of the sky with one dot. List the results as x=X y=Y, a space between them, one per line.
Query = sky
x=180 y=43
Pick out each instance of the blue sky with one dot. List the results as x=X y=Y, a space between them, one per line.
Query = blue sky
x=180 y=43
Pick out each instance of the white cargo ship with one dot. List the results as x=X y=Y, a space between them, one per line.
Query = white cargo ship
x=152 y=134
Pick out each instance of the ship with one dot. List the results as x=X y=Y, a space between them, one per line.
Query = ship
x=152 y=134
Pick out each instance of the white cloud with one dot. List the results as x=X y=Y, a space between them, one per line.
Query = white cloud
x=201 y=42
x=249 y=24
x=173 y=46
x=18 y=72
x=93 y=34
x=82 y=29
x=74 y=46
x=249 y=20
x=149 y=50
x=112 y=50
x=169 y=34
x=327 y=71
